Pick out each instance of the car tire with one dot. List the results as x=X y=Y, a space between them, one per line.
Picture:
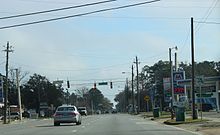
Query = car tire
x=56 y=124
x=78 y=123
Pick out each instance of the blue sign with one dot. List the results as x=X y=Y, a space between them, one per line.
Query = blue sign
x=179 y=75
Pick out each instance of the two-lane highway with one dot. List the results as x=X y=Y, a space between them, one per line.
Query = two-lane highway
x=112 y=124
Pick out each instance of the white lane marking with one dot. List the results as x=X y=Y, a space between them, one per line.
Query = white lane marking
x=83 y=126
x=74 y=131
x=134 y=119
x=197 y=133
x=145 y=123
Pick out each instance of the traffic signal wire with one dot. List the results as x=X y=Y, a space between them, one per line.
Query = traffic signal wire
x=78 y=15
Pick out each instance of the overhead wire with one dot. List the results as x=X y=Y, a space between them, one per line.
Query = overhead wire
x=207 y=22
x=208 y=13
x=53 y=10
x=78 y=15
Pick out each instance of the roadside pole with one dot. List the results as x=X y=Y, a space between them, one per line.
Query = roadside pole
x=200 y=90
x=7 y=50
x=132 y=88
x=19 y=94
x=194 y=115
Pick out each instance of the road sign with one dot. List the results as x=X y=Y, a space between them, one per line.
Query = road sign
x=147 y=98
x=199 y=80
x=103 y=83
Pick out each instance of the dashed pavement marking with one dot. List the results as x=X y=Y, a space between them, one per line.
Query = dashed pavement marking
x=74 y=131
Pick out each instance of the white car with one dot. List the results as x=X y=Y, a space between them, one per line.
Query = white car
x=82 y=110
x=67 y=114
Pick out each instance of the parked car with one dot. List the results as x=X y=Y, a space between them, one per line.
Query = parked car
x=15 y=115
x=26 y=114
x=67 y=114
x=114 y=111
x=82 y=110
x=206 y=107
x=1 y=117
x=98 y=112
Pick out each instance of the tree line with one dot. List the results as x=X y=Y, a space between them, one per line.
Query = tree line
x=151 y=82
x=38 y=89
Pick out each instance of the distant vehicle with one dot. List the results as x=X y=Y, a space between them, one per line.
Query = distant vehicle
x=98 y=112
x=26 y=114
x=1 y=117
x=106 y=111
x=207 y=104
x=67 y=114
x=114 y=111
x=15 y=115
x=82 y=110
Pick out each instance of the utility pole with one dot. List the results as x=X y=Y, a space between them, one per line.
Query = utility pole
x=176 y=67
x=138 y=92
x=8 y=49
x=193 y=71
x=132 y=86
x=19 y=93
x=126 y=95
x=171 y=84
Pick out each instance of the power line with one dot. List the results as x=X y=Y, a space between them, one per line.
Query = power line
x=106 y=68
x=208 y=13
x=207 y=22
x=78 y=15
x=53 y=10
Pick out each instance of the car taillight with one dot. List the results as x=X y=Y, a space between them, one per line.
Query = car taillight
x=72 y=113
x=57 y=114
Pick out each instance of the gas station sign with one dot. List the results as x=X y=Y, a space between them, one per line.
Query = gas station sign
x=179 y=75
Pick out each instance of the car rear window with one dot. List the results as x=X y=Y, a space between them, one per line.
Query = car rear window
x=81 y=109
x=66 y=109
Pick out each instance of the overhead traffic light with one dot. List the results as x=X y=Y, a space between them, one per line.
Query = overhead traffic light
x=94 y=86
x=68 y=84
x=111 y=85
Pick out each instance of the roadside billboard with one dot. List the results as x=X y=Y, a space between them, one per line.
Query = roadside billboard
x=167 y=90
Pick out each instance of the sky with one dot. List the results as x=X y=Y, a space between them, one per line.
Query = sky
x=99 y=47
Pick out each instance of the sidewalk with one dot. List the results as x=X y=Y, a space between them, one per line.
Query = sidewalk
x=210 y=127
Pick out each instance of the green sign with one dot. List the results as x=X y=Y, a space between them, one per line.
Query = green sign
x=103 y=83
x=205 y=95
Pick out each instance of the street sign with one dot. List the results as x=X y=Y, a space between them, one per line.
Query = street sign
x=1 y=89
x=199 y=80
x=147 y=98
x=103 y=83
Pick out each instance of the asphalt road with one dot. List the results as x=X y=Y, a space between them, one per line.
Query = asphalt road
x=112 y=124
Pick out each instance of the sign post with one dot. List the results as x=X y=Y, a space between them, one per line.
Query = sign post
x=200 y=81
x=147 y=98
